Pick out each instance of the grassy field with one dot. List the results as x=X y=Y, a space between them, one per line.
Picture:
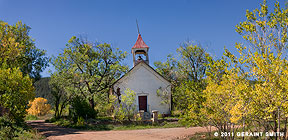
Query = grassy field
x=101 y=124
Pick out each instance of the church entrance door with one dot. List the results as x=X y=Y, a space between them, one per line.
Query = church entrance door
x=142 y=103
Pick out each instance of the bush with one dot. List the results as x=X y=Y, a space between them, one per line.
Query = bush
x=39 y=107
x=16 y=91
x=9 y=130
x=127 y=107
x=80 y=121
x=63 y=122
x=31 y=117
x=52 y=120
x=81 y=108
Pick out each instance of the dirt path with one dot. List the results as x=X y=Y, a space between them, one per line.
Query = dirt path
x=53 y=132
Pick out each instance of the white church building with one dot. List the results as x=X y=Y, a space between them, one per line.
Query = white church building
x=144 y=81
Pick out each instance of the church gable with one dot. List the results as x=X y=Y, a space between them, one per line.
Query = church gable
x=142 y=73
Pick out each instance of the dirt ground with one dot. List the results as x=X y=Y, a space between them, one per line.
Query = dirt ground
x=53 y=132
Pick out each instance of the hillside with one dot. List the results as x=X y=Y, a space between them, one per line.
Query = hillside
x=42 y=89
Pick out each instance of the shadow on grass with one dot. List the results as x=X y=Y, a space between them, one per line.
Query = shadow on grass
x=49 y=129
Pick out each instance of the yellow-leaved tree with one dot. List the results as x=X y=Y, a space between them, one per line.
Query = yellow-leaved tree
x=39 y=107
x=251 y=90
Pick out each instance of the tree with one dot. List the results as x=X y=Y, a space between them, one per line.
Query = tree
x=61 y=92
x=264 y=54
x=127 y=107
x=88 y=69
x=20 y=61
x=186 y=75
x=192 y=61
x=15 y=92
x=38 y=107
x=17 y=49
x=251 y=90
x=168 y=69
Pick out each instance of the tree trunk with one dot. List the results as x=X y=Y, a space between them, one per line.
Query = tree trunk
x=92 y=104
x=243 y=127
x=56 y=115
x=285 y=128
x=278 y=118
x=275 y=125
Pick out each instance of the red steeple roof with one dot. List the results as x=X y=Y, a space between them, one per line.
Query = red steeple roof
x=140 y=43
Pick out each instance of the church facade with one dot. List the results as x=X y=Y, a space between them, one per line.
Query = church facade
x=146 y=82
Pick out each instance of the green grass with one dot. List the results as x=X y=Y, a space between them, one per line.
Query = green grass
x=101 y=124
x=146 y=126
x=29 y=135
x=31 y=117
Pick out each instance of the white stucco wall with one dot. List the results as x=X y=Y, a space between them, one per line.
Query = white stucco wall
x=145 y=82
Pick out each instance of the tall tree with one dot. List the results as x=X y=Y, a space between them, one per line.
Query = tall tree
x=17 y=49
x=15 y=92
x=264 y=55
x=186 y=74
x=251 y=90
x=89 y=68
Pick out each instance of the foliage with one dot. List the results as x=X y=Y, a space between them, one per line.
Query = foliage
x=86 y=70
x=264 y=55
x=126 y=109
x=15 y=92
x=168 y=69
x=185 y=73
x=191 y=96
x=250 y=90
x=81 y=109
x=60 y=93
x=80 y=121
x=9 y=130
x=164 y=94
x=20 y=62
x=18 y=50
x=38 y=107
x=31 y=117
x=192 y=62
x=106 y=108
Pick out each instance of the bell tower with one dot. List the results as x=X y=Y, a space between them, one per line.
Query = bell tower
x=140 y=51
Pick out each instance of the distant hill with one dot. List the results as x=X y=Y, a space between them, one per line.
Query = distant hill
x=43 y=90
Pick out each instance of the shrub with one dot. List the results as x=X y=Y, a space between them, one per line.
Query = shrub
x=9 y=130
x=6 y=128
x=16 y=91
x=80 y=121
x=39 y=107
x=127 y=107
x=63 y=122
x=31 y=117
x=81 y=108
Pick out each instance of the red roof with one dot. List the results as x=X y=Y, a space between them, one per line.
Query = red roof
x=140 y=43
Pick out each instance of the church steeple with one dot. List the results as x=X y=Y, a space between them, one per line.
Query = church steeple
x=140 y=50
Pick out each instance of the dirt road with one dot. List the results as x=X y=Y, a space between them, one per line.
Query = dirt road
x=53 y=132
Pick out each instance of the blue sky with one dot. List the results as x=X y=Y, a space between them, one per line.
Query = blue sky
x=164 y=24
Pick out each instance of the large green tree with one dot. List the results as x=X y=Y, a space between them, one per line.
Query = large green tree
x=15 y=92
x=186 y=73
x=20 y=65
x=88 y=69
x=17 y=49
